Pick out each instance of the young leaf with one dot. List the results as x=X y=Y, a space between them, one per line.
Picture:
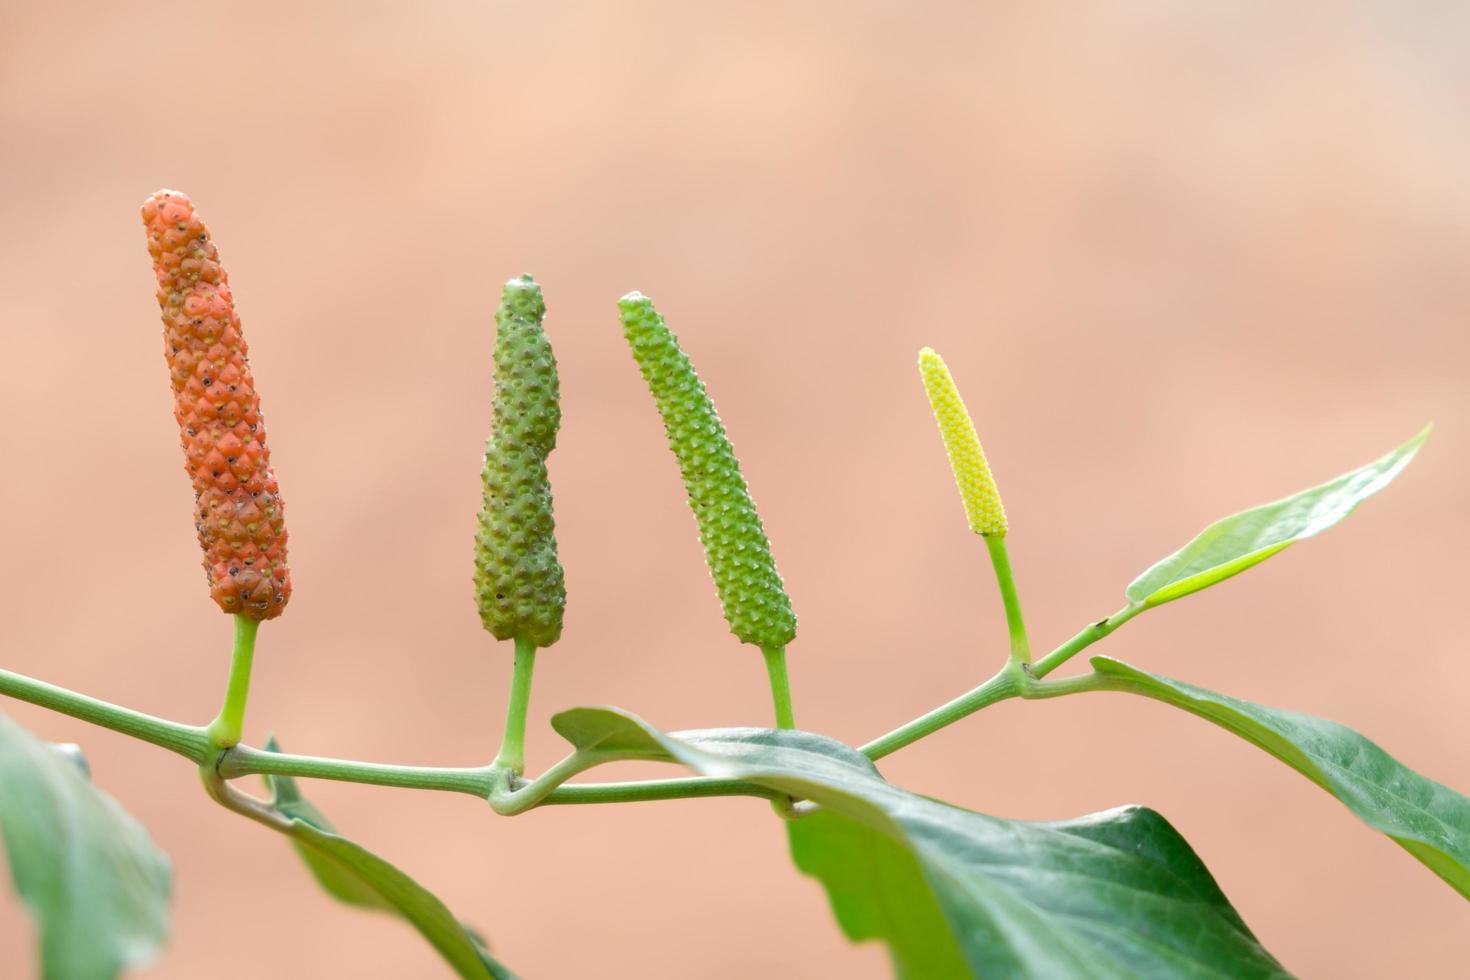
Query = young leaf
x=1430 y=820
x=95 y=884
x=958 y=893
x=1231 y=545
x=356 y=876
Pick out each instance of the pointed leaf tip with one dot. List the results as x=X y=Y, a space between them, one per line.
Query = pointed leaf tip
x=1232 y=544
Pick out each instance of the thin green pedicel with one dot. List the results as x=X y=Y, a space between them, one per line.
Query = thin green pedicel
x=735 y=545
x=519 y=584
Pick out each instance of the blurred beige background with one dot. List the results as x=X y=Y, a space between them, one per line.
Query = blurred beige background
x=1183 y=258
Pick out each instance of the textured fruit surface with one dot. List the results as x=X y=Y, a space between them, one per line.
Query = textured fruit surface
x=972 y=474
x=519 y=584
x=238 y=511
x=735 y=545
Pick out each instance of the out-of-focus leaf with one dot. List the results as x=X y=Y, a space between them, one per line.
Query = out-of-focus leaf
x=341 y=883
x=606 y=730
x=358 y=877
x=95 y=884
x=1232 y=544
x=1430 y=820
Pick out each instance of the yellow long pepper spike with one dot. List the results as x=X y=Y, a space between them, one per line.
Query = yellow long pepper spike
x=983 y=507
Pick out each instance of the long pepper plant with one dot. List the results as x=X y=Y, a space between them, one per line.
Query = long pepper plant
x=951 y=892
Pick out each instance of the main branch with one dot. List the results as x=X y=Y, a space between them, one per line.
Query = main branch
x=549 y=789
x=189 y=741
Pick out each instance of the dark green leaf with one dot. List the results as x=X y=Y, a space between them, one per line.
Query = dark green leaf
x=1231 y=545
x=358 y=877
x=957 y=893
x=1430 y=820
x=92 y=879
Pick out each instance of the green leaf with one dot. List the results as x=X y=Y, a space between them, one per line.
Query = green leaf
x=95 y=884
x=358 y=877
x=878 y=891
x=607 y=730
x=958 y=893
x=1429 y=819
x=1231 y=545
x=341 y=883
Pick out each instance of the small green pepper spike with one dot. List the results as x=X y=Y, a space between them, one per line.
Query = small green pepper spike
x=735 y=546
x=519 y=584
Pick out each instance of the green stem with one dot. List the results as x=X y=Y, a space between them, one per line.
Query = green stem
x=780 y=685
x=1005 y=684
x=244 y=804
x=1010 y=682
x=1084 y=639
x=195 y=744
x=692 y=787
x=508 y=799
x=1020 y=645
x=512 y=754
x=192 y=742
x=228 y=725
x=1014 y=680
x=189 y=741
x=242 y=760
x=480 y=782
x=1091 y=681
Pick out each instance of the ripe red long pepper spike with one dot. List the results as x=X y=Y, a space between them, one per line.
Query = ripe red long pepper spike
x=238 y=511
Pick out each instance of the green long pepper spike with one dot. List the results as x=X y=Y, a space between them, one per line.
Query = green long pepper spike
x=519 y=584
x=735 y=545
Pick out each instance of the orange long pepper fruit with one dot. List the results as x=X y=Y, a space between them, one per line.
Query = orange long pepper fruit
x=238 y=511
